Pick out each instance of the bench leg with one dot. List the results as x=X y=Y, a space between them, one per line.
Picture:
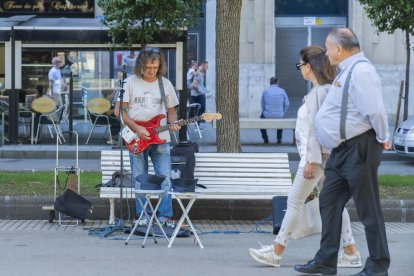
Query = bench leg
x=111 y=211
x=294 y=137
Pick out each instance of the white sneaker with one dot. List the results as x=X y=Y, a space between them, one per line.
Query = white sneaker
x=143 y=222
x=345 y=260
x=266 y=255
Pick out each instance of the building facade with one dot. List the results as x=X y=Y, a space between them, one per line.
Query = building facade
x=272 y=35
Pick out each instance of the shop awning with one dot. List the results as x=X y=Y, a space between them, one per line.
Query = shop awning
x=67 y=30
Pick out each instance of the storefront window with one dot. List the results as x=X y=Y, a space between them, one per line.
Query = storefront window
x=90 y=71
x=96 y=75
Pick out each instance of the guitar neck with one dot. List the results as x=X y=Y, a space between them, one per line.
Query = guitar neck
x=179 y=123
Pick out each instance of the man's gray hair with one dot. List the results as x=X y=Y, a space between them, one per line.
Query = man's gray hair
x=344 y=37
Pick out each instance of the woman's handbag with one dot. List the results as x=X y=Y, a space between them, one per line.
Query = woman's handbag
x=310 y=222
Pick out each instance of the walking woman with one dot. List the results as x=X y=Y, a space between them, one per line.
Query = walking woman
x=315 y=67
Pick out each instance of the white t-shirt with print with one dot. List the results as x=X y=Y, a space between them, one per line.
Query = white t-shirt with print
x=145 y=102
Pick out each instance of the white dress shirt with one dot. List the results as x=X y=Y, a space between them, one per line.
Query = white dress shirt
x=365 y=105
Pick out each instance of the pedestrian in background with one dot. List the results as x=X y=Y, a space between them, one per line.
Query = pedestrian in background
x=195 y=86
x=275 y=103
x=352 y=122
x=203 y=67
x=55 y=81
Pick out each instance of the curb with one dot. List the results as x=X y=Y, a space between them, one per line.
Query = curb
x=30 y=207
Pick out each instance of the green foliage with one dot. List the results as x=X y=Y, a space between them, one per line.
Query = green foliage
x=390 y=15
x=138 y=21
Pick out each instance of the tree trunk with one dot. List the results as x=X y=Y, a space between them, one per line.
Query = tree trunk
x=227 y=70
x=407 y=74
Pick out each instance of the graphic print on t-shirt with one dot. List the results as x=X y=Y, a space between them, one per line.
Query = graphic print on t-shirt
x=147 y=101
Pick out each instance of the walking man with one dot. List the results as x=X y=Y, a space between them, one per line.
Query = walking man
x=353 y=123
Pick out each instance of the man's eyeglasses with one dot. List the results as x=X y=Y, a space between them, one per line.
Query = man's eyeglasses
x=298 y=65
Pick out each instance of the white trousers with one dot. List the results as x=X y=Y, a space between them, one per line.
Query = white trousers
x=300 y=190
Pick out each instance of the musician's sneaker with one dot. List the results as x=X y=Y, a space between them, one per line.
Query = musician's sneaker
x=166 y=222
x=143 y=222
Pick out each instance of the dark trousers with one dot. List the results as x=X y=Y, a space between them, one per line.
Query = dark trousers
x=352 y=170
x=264 y=132
x=201 y=99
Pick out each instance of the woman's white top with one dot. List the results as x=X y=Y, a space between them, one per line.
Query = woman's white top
x=307 y=143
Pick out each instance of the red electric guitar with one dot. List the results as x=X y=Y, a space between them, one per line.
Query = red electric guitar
x=135 y=145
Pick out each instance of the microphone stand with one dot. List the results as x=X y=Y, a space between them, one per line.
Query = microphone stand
x=120 y=225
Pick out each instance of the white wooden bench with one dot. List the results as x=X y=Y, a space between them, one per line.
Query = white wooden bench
x=258 y=123
x=246 y=176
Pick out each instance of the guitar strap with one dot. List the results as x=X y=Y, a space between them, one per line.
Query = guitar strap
x=162 y=91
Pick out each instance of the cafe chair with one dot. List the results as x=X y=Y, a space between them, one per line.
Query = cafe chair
x=52 y=119
x=96 y=109
x=192 y=111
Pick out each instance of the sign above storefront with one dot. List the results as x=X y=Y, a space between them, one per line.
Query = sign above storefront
x=50 y=8
x=309 y=21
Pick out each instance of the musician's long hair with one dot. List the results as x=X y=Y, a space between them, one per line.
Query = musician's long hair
x=151 y=54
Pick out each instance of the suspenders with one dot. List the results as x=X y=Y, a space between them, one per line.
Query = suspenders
x=344 y=106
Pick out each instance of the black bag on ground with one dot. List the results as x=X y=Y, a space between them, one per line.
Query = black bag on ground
x=149 y=181
x=183 y=160
x=74 y=205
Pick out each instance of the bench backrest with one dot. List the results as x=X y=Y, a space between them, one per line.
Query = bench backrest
x=249 y=175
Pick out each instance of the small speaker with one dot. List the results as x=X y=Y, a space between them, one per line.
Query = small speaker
x=279 y=206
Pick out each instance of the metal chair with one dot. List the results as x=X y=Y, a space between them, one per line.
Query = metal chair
x=51 y=119
x=192 y=110
x=95 y=108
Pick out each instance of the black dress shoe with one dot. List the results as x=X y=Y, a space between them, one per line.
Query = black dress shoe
x=369 y=273
x=313 y=268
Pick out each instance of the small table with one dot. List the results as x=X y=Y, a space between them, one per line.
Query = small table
x=192 y=197
x=148 y=194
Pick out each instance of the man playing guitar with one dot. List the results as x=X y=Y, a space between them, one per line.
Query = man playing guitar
x=142 y=101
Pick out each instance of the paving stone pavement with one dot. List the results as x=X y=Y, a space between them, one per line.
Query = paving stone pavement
x=40 y=248
x=204 y=226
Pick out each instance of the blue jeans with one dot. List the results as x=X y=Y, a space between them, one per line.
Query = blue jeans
x=160 y=157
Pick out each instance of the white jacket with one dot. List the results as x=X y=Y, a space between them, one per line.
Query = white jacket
x=308 y=145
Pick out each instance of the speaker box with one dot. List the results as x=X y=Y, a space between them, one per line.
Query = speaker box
x=279 y=206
